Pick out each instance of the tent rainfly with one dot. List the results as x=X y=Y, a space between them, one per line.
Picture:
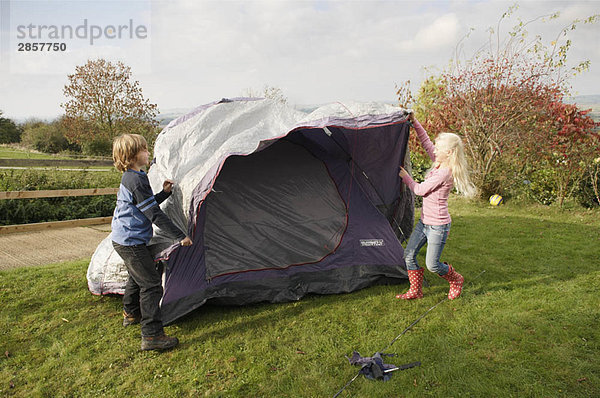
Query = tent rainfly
x=279 y=204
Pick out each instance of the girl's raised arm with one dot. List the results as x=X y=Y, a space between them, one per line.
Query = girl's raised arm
x=424 y=138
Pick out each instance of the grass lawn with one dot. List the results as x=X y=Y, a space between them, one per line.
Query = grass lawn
x=12 y=152
x=528 y=327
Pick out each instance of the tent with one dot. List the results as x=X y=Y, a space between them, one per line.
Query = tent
x=279 y=203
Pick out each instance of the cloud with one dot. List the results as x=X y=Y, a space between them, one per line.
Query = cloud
x=315 y=51
x=441 y=33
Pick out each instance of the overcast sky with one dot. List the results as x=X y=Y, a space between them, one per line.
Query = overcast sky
x=189 y=52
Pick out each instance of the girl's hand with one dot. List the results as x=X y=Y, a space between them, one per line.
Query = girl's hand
x=411 y=117
x=186 y=242
x=403 y=173
x=168 y=185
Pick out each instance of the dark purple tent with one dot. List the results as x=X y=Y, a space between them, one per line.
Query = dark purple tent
x=315 y=208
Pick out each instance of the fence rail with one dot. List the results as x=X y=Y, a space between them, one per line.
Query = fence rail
x=57 y=193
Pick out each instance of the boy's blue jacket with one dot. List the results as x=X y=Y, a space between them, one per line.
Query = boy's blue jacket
x=137 y=209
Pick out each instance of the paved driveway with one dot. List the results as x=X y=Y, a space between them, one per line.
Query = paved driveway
x=25 y=249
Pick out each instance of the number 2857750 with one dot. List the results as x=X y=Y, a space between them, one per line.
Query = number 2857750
x=41 y=47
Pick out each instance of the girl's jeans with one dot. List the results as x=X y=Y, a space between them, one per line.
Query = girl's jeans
x=435 y=236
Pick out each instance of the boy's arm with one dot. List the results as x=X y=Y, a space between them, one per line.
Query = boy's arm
x=166 y=191
x=147 y=203
x=162 y=196
x=424 y=138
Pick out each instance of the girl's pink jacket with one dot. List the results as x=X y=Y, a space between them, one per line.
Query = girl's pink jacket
x=436 y=187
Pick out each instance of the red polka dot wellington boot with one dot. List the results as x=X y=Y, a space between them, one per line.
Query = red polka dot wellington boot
x=456 y=281
x=415 y=277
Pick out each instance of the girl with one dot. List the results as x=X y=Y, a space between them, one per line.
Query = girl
x=449 y=169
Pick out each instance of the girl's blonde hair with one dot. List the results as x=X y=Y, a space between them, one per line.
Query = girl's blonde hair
x=457 y=162
x=125 y=150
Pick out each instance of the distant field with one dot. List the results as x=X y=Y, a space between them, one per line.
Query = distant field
x=595 y=107
x=15 y=152
x=9 y=152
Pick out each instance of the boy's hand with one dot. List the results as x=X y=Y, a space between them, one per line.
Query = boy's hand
x=168 y=185
x=403 y=173
x=186 y=242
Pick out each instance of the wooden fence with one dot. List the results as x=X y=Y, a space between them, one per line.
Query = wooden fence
x=7 y=229
x=57 y=193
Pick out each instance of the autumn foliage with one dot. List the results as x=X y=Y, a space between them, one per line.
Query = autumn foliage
x=572 y=145
x=508 y=105
x=104 y=101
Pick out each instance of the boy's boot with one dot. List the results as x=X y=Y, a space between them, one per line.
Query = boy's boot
x=415 y=277
x=131 y=319
x=163 y=342
x=456 y=282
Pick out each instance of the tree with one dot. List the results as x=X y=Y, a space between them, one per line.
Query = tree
x=430 y=97
x=498 y=99
x=104 y=101
x=594 y=177
x=9 y=131
x=431 y=92
x=571 y=144
x=271 y=92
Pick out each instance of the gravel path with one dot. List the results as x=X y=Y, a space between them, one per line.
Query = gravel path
x=26 y=249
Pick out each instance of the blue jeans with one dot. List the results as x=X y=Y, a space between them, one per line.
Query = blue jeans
x=435 y=236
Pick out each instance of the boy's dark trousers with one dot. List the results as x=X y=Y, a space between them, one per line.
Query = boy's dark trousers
x=143 y=290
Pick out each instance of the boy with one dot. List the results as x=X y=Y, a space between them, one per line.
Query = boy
x=137 y=209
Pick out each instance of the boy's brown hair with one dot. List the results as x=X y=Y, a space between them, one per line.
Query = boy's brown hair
x=125 y=149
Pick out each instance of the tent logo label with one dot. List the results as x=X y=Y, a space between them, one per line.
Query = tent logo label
x=372 y=242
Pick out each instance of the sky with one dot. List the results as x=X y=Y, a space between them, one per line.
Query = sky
x=186 y=53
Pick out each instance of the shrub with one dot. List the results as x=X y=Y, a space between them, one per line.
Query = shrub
x=9 y=131
x=45 y=137
x=99 y=146
x=588 y=191
x=19 y=211
x=25 y=211
x=420 y=163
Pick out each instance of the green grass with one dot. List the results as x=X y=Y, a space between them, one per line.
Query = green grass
x=528 y=327
x=13 y=152
x=10 y=151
